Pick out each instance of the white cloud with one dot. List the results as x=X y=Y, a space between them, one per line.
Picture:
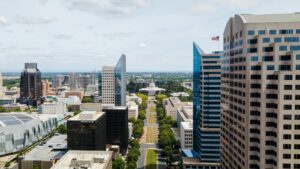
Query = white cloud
x=62 y=36
x=110 y=7
x=117 y=35
x=35 y=20
x=142 y=45
x=3 y=20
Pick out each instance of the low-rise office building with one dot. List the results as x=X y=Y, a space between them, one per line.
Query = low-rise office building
x=45 y=155
x=87 y=131
x=70 y=100
x=171 y=106
x=184 y=113
x=91 y=107
x=53 y=108
x=85 y=160
x=133 y=110
x=186 y=135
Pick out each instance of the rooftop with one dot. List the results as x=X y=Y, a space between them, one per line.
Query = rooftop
x=86 y=115
x=268 y=18
x=9 y=119
x=84 y=159
x=187 y=125
x=51 y=150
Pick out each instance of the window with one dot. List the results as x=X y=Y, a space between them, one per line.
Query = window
x=287 y=137
x=287 y=97
x=287 y=146
x=270 y=67
x=297 y=97
x=258 y=67
x=285 y=57
x=297 y=127
x=267 y=49
x=252 y=50
x=297 y=31
x=297 y=67
x=272 y=77
x=251 y=32
x=291 y=39
x=255 y=76
x=282 y=48
x=287 y=127
x=297 y=57
x=286 y=31
x=272 y=32
x=287 y=117
x=266 y=40
x=267 y=58
x=288 y=77
x=286 y=156
x=261 y=32
x=287 y=107
x=297 y=77
x=252 y=41
x=254 y=58
x=277 y=40
x=294 y=48
x=284 y=67
x=297 y=87
x=297 y=146
x=288 y=87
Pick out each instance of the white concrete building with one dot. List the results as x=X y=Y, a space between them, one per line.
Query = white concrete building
x=134 y=97
x=171 y=105
x=152 y=89
x=185 y=113
x=85 y=159
x=71 y=100
x=133 y=110
x=53 y=108
x=186 y=135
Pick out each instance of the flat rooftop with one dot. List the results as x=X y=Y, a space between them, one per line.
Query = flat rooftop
x=53 y=149
x=84 y=159
x=270 y=18
x=86 y=115
x=187 y=125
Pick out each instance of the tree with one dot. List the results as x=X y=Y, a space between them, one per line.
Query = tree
x=87 y=99
x=118 y=163
x=35 y=166
x=62 y=129
x=131 y=165
x=134 y=143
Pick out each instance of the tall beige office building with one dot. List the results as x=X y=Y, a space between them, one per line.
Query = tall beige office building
x=108 y=84
x=260 y=92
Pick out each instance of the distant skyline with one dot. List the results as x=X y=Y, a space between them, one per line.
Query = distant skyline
x=84 y=35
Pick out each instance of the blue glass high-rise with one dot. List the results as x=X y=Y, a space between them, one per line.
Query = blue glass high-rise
x=206 y=106
x=120 y=82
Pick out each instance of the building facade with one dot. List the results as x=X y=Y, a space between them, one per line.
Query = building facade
x=117 y=126
x=186 y=135
x=112 y=87
x=206 y=107
x=31 y=84
x=108 y=85
x=120 y=88
x=260 y=92
x=87 y=131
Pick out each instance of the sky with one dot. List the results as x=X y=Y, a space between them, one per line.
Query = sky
x=84 y=35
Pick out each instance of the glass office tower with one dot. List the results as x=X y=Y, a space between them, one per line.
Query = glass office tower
x=120 y=83
x=206 y=107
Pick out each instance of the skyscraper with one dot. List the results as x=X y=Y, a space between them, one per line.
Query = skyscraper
x=113 y=83
x=206 y=107
x=260 y=92
x=31 y=84
x=120 y=75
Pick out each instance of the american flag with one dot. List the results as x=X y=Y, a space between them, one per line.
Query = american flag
x=215 y=38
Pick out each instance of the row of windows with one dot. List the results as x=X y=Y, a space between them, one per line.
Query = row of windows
x=273 y=32
x=276 y=40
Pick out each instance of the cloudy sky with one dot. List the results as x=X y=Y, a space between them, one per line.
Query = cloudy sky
x=84 y=35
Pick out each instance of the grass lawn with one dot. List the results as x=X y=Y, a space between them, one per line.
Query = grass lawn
x=151 y=162
x=151 y=135
x=151 y=118
x=152 y=109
